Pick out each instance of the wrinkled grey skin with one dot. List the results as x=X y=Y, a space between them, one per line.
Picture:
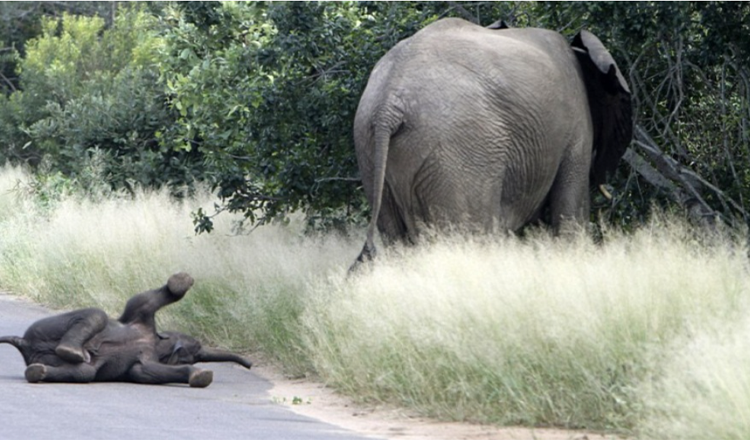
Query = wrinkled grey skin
x=486 y=128
x=86 y=345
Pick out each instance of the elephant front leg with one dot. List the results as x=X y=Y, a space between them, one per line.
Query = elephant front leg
x=157 y=373
x=72 y=373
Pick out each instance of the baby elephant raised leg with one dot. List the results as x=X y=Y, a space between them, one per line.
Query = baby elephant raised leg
x=84 y=324
x=157 y=373
x=75 y=373
x=141 y=308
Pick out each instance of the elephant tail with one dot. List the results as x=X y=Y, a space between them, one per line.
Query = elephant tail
x=387 y=122
x=17 y=342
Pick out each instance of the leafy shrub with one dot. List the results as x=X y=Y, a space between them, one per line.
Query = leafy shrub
x=91 y=91
x=259 y=98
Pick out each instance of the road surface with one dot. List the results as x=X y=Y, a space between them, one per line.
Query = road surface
x=236 y=405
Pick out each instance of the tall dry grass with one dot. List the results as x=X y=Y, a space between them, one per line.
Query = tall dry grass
x=702 y=390
x=540 y=332
x=644 y=334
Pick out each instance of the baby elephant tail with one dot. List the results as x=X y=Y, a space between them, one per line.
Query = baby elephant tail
x=15 y=341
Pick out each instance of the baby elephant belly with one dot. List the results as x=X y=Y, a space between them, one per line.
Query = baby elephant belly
x=113 y=361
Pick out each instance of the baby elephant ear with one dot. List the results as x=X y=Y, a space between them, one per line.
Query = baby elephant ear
x=178 y=355
x=609 y=102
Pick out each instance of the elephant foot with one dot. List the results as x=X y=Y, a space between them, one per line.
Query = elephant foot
x=179 y=283
x=35 y=373
x=201 y=378
x=75 y=355
x=367 y=255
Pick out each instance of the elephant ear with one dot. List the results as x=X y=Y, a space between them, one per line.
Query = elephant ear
x=500 y=24
x=609 y=102
x=179 y=354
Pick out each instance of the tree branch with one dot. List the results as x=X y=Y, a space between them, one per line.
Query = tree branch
x=8 y=81
x=466 y=15
x=684 y=185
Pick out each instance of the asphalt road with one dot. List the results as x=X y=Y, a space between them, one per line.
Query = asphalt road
x=236 y=405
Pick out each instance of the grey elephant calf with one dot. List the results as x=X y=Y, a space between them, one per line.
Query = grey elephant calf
x=86 y=345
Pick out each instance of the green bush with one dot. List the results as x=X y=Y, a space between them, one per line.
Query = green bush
x=258 y=98
x=92 y=93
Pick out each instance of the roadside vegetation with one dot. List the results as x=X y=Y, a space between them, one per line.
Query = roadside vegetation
x=143 y=139
x=643 y=334
x=67 y=251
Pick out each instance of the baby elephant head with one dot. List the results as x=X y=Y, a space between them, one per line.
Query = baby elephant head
x=174 y=348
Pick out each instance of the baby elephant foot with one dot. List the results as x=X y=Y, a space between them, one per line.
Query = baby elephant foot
x=35 y=373
x=179 y=283
x=201 y=378
x=72 y=354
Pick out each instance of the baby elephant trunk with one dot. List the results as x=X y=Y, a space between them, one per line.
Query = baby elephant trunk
x=216 y=355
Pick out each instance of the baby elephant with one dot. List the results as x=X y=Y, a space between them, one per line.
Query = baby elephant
x=86 y=345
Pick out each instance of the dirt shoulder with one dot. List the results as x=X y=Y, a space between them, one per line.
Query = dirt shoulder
x=317 y=401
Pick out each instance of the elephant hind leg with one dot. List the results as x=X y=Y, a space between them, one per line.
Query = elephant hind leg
x=157 y=373
x=79 y=373
x=85 y=324
x=569 y=196
x=392 y=225
x=35 y=373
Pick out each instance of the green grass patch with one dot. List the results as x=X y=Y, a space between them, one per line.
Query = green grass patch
x=643 y=334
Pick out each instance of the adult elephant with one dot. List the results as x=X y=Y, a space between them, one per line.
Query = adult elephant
x=86 y=345
x=487 y=127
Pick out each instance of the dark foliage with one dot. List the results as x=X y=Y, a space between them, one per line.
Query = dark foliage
x=258 y=99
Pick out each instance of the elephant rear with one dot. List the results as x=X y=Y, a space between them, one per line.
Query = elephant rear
x=462 y=130
x=462 y=125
